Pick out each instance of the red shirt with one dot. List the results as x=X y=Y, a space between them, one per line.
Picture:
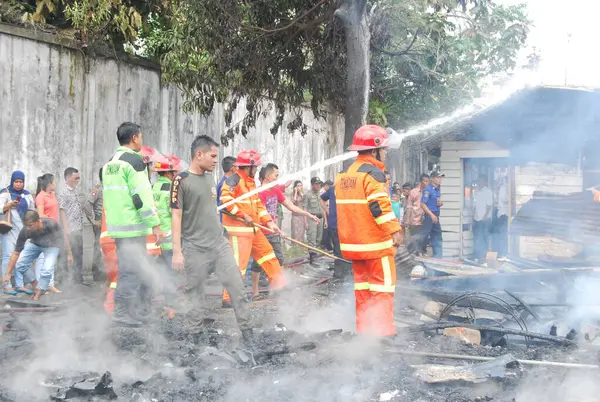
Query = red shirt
x=49 y=204
x=270 y=198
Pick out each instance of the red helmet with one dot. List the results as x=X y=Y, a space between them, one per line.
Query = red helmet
x=148 y=154
x=169 y=163
x=369 y=137
x=248 y=157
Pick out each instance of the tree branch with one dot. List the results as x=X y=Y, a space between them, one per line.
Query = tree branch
x=400 y=53
x=291 y=24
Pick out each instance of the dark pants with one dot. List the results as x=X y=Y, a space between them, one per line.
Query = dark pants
x=98 y=260
x=341 y=269
x=500 y=236
x=481 y=236
x=198 y=265
x=133 y=296
x=276 y=244
x=416 y=244
x=76 y=243
x=432 y=232
x=168 y=279
x=326 y=240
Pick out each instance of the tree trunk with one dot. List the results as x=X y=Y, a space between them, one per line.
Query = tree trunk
x=353 y=14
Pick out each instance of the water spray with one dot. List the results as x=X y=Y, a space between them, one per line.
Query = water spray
x=291 y=176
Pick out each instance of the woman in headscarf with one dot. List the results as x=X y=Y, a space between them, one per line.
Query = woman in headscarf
x=15 y=200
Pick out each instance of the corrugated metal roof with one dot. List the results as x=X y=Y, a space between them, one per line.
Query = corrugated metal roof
x=573 y=218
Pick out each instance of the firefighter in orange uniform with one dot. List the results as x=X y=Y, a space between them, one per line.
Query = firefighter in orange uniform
x=109 y=251
x=245 y=239
x=369 y=232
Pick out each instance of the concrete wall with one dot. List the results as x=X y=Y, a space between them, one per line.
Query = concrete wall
x=554 y=178
x=59 y=108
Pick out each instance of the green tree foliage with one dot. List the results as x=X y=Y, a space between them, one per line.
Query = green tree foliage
x=114 y=22
x=427 y=56
x=429 y=60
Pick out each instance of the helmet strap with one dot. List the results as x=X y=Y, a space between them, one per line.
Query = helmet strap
x=378 y=154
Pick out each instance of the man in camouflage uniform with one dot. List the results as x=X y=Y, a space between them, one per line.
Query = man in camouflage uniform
x=93 y=212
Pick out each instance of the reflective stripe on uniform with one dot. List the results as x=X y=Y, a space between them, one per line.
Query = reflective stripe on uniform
x=138 y=189
x=163 y=211
x=127 y=228
x=152 y=246
x=385 y=218
x=263 y=213
x=236 y=249
x=103 y=234
x=387 y=271
x=234 y=210
x=377 y=195
x=113 y=285
x=244 y=229
x=382 y=288
x=367 y=247
x=266 y=258
x=150 y=212
x=362 y=286
x=338 y=201
x=115 y=188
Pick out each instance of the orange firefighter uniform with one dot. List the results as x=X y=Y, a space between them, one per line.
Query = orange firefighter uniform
x=366 y=223
x=109 y=251
x=246 y=240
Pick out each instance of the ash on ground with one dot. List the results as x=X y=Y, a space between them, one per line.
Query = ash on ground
x=300 y=355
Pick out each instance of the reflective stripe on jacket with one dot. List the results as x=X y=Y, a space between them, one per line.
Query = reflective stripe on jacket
x=161 y=190
x=238 y=184
x=366 y=220
x=128 y=200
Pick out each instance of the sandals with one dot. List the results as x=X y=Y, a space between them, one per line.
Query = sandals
x=10 y=291
x=26 y=291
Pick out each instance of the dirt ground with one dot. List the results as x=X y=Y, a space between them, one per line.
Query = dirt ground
x=42 y=353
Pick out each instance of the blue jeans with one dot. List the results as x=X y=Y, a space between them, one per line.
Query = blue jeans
x=8 y=246
x=28 y=255
x=39 y=264
x=433 y=233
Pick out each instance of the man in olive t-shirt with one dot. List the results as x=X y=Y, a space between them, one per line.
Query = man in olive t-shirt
x=198 y=242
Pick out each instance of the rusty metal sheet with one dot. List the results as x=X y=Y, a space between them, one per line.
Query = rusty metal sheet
x=573 y=218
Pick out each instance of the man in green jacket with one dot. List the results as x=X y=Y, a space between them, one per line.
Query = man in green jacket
x=167 y=168
x=131 y=215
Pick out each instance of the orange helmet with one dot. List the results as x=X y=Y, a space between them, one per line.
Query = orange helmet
x=248 y=157
x=369 y=137
x=169 y=163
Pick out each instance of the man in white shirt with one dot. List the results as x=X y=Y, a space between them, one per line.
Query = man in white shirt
x=501 y=226
x=482 y=214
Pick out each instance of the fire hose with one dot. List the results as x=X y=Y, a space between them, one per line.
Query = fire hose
x=284 y=237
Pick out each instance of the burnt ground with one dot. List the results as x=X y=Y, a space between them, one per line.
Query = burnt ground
x=42 y=353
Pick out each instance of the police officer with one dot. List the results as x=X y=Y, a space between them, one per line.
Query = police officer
x=312 y=205
x=431 y=202
x=93 y=212
x=131 y=215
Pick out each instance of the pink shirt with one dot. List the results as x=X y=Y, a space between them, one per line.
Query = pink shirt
x=270 y=198
x=413 y=214
x=49 y=204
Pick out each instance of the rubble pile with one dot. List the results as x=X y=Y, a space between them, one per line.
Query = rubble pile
x=456 y=344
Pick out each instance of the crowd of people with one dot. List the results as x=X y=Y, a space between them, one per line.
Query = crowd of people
x=157 y=231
